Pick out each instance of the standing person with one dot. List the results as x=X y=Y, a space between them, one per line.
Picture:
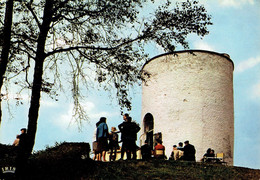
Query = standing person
x=146 y=151
x=123 y=129
x=113 y=144
x=102 y=135
x=95 y=144
x=129 y=132
x=189 y=152
x=133 y=130
x=22 y=155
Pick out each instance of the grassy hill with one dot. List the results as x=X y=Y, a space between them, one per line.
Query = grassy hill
x=154 y=169
x=65 y=162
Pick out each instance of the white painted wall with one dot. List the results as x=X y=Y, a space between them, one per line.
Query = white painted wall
x=191 y=98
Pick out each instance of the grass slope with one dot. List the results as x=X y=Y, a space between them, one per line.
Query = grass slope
x=64 y=162
x=135 y=169
x=161 y=169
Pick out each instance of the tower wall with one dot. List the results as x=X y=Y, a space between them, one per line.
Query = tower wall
x=190 y=95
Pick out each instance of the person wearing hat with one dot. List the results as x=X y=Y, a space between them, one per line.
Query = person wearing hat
x=189 y=152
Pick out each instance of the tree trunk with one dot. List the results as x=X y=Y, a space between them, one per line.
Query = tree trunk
x=6 y=46
x=38 y=73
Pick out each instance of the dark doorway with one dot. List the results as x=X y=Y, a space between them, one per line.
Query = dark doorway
x=148 y=128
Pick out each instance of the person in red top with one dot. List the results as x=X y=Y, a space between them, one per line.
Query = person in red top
x=159 y=150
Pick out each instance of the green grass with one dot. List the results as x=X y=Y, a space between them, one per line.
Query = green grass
x=64 y=162
x=161 y=169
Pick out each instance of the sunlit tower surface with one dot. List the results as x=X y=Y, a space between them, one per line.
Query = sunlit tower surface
x=188 y=95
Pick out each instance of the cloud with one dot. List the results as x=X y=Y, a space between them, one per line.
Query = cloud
x=159 y=49
x=256 y=90
x=47 y=103
x=203 y=46
x=65 y=119
x=247 y=64
x=235 y=3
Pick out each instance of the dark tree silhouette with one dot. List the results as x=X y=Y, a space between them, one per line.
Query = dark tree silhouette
x=5 y=43
x=102 y=36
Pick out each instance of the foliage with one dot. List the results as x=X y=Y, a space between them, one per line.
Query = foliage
x=100 y=39
x=7 y=153
x=56 y=43
x=61 y=150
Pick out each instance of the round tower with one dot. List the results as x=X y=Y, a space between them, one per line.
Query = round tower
x=188 y=95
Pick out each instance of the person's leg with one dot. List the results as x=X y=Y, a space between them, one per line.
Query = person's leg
x=112 y=154
x=123 y=150
x=134 y=150
x=99 y=156
x=110 y=150
x=115 y=152
x=95 y=156
x=104 y=155
x=128 y=154
x=128 y=150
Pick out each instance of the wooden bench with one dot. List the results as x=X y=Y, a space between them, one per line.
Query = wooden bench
x=219 y=158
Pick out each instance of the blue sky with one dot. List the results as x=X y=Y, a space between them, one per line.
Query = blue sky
x=235 y=31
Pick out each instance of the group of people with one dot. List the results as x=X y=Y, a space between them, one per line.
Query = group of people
x=186 y=153
x=108 y=141
x=104 y=141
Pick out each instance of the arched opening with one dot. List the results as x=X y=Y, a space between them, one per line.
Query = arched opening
x=148 y=128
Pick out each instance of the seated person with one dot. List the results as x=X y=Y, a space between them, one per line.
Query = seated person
x=181 y=150
x=209 y=153
x=146 y=151
x=174 y=154
x=212 y=153
x=189 y=152
x=159 y=150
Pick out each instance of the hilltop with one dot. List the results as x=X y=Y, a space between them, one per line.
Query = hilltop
x=79 y=169
x=65 y=162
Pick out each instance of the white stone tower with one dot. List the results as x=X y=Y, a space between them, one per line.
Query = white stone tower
x=188 y=95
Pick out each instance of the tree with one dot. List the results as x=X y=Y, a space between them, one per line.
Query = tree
x=102 y=35
x=6 y=38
